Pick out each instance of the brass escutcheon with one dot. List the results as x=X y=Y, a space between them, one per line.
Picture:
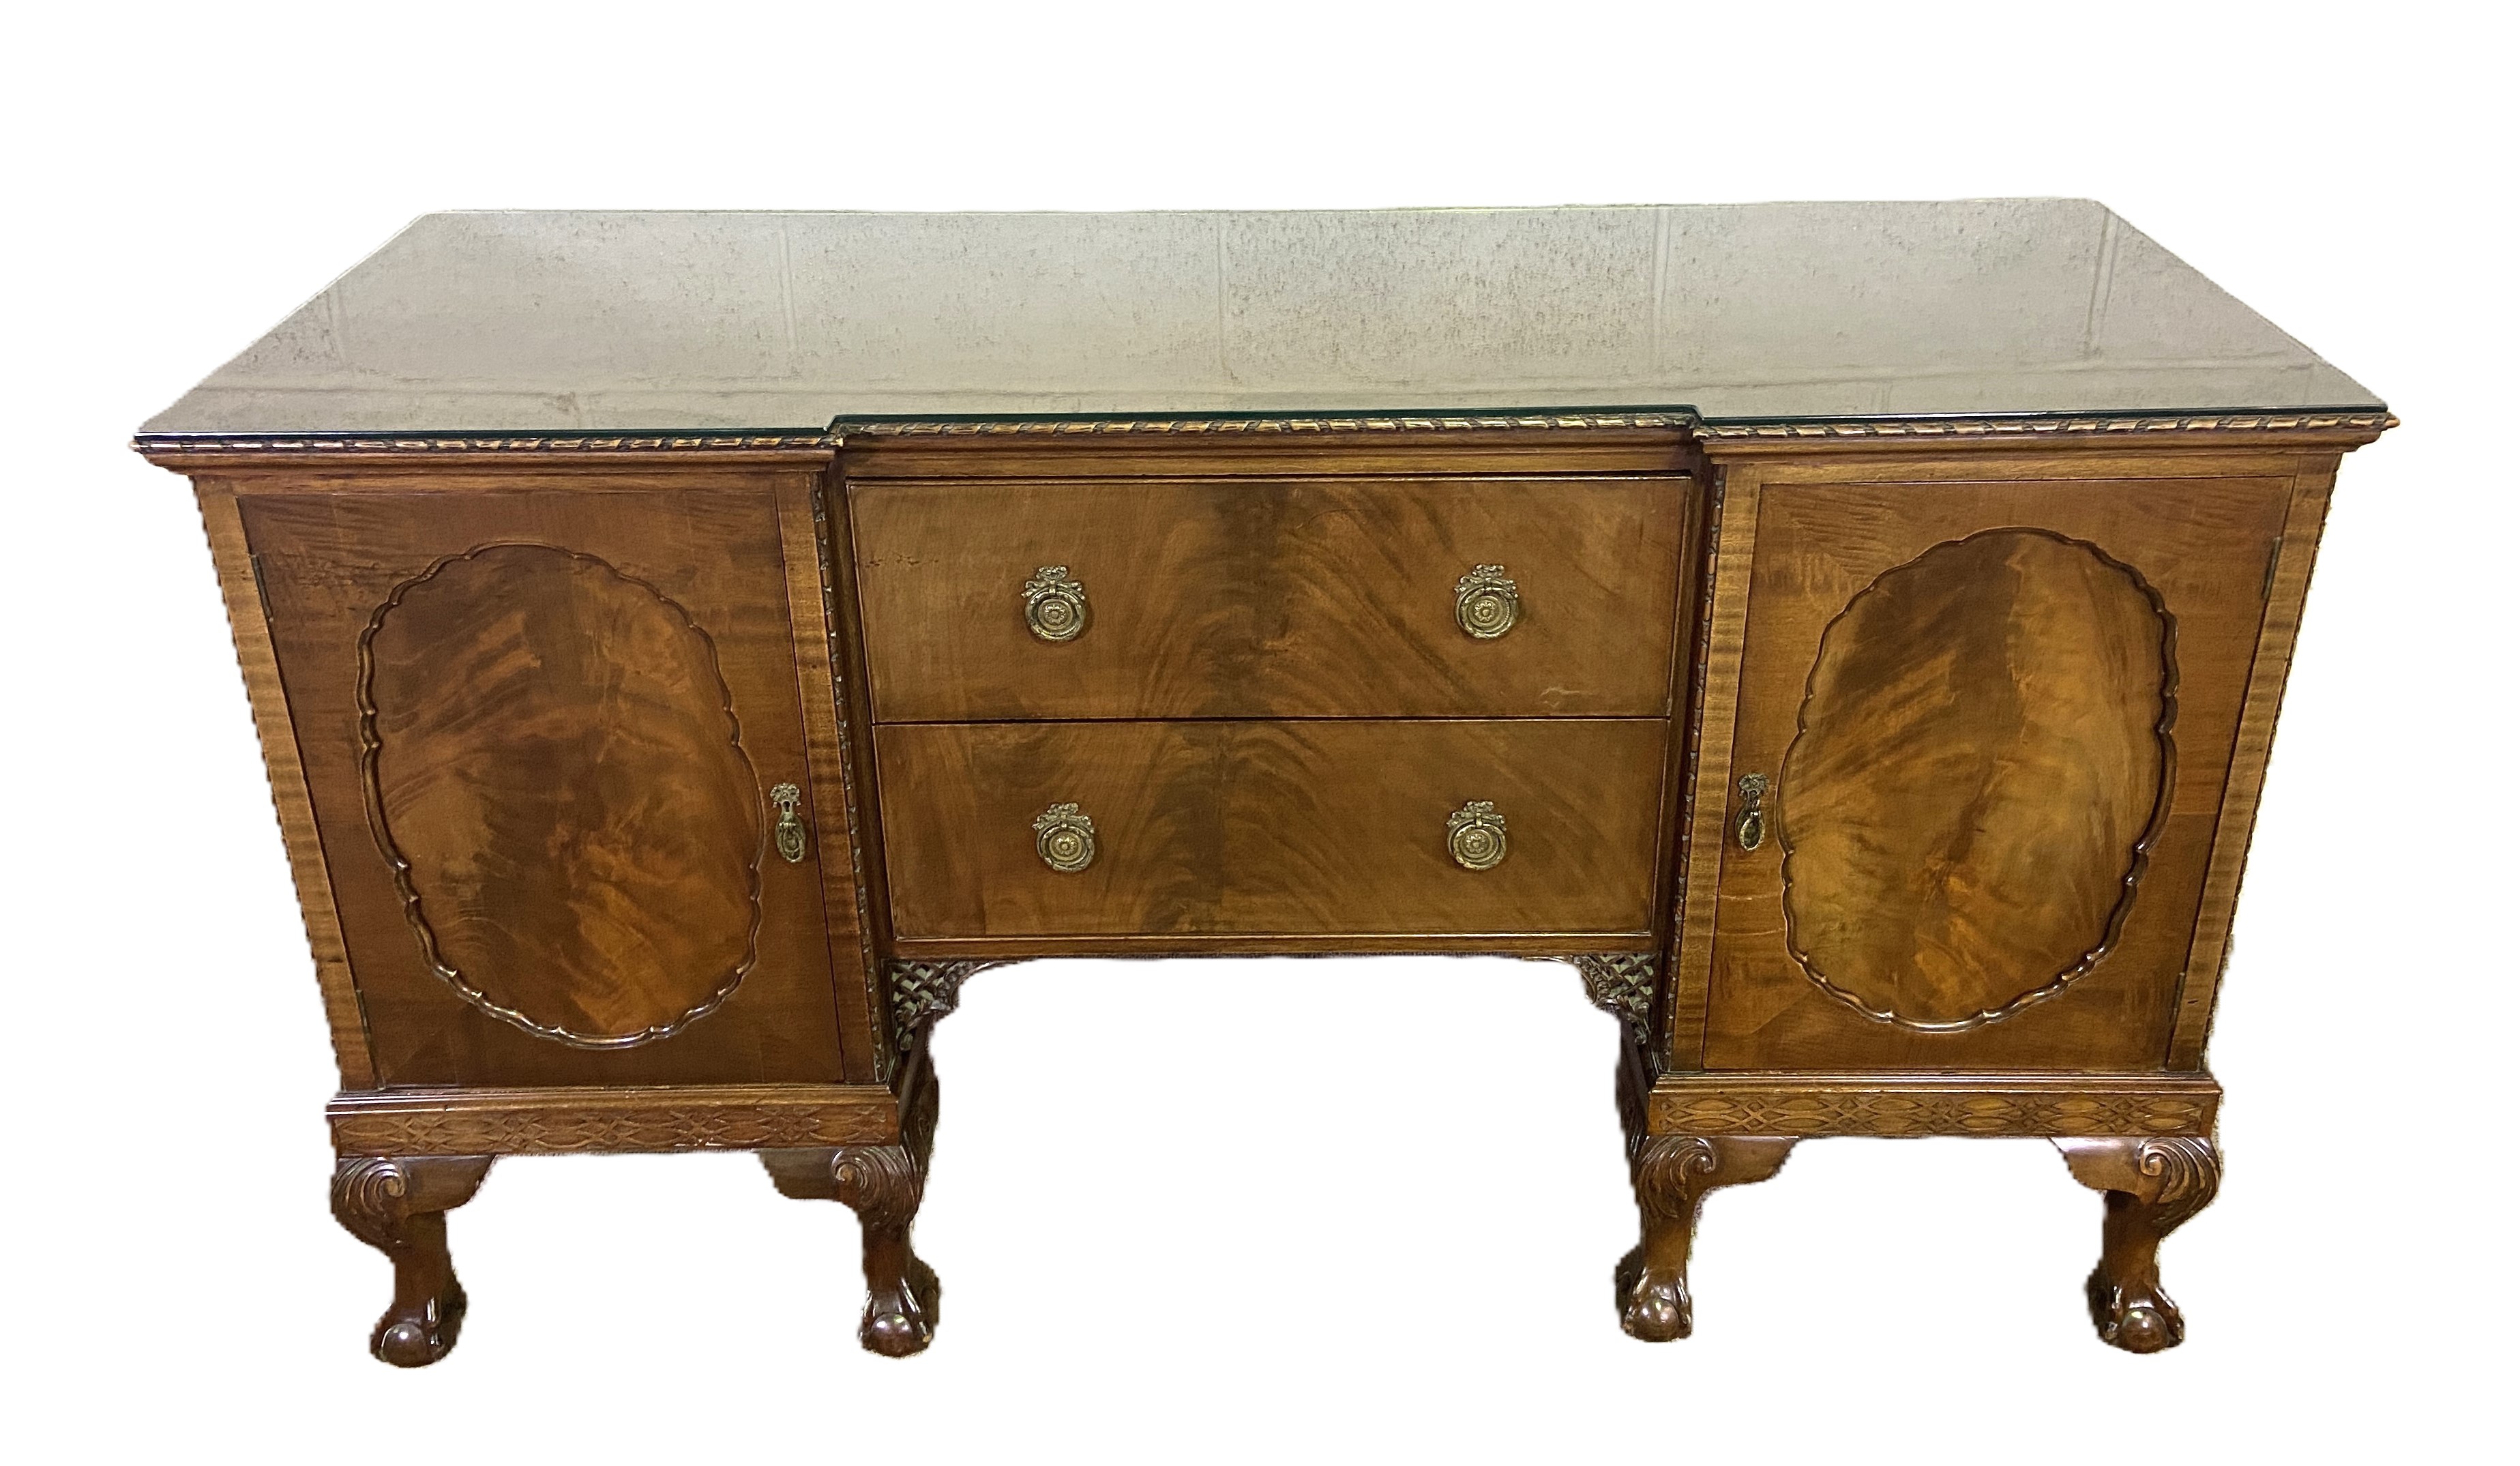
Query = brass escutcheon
x=1063 y=839
x=1477 y=834
x=1055 y=604
x=1751 y=829
x=1485 y=602
x=789 y=832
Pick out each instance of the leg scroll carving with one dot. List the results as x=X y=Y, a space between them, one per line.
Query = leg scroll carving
x=883 y=1185
x=1672 y=1174
x=2152 y=1185
x=399 y=1206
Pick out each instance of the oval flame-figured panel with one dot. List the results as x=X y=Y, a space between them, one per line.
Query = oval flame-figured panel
x=1980 y=766
x=554 y=772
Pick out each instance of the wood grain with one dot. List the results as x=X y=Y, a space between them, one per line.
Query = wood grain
x=2297 y=552
x=1733 y=544
x=840 y=814
x=1269 y=598
x=2202 y=545
x=1982 y=748
x=240 y=586
x=1257 y=829
x=554 y=771
x=710 y=545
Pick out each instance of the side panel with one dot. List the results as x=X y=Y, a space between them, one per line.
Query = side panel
x=543 y=725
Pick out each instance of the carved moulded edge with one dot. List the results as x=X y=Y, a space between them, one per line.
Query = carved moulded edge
x=2114 y=424
x=479 y=444
x=2032 y=427
x=513 y=1123
x=1933 y=1105
x=1242 y=427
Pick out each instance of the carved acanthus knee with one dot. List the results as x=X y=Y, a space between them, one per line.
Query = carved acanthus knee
x=1672 y=1175
x=883 y=1185
x=2151 y=1184
x=399 y=1206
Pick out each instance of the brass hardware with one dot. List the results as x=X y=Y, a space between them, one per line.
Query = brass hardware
x=1751 y=829
x=1063 y=839
x=1055 y=605
x=1476 y=833
x=790 y=833
x=1485 y=602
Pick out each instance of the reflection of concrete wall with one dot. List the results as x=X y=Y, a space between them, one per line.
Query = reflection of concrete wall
x=603 y=321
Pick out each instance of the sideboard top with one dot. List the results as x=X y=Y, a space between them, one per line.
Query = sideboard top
x=782 y=322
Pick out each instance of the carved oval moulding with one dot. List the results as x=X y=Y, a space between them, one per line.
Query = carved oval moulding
x=1981 y=766
x=554 y=772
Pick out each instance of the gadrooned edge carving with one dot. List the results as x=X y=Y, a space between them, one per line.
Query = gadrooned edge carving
x=2077 y=425
x=2035 y=428
x=474 y=444
x=923 y=993
x=370 y=743
x=1915 y=1112
x=1622 y=984
x=2139 y=859
x=1253 y=427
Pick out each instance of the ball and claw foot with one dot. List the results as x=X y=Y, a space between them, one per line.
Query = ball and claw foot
x=1672 y=1175
x=903 y=1325
x=2151 y=1184
x=2140 y=1323
x=399 y=1206
x=1652 y=1307
x=421 y=1336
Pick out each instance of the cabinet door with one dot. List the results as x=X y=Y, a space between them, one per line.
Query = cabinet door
x=1982 y=739
x=550 y=731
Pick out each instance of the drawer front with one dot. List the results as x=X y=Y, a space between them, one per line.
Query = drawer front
x=1304 y=598
x=1254 y=829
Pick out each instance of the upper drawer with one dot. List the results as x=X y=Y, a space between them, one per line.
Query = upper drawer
x=1288 y=598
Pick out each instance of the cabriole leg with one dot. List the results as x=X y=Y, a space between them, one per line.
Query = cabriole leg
x=2151 y=1184
x=883 y=1184
x=1672 y=1174
x=399 y=1206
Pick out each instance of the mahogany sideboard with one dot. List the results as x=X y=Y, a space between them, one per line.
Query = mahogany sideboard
x=687 y=647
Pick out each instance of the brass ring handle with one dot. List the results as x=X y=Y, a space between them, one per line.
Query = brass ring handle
x=1751 y=828
x=1477 y=834
x=1063 y=839
x=1485 y=602
x=789 y=832
x=1055 y=604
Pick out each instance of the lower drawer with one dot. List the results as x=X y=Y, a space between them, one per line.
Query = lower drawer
x=1262 y=829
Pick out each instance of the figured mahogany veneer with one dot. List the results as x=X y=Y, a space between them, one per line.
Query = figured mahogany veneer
x=1284 y=829
x=1269 y=597
x=1879 y=738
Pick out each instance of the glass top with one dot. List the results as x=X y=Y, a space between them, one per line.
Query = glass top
x=600 y=322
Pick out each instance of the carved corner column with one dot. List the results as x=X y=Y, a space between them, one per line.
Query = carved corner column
x=2152 y=1185
x=883 y=1184
x=399 y=1206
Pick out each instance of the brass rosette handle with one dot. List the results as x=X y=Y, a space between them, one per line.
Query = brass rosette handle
x=1485 y=602
x=1477 y=834
x=1063 y=838
x=1750 y=828
x=789 y=834
x=1055 y=604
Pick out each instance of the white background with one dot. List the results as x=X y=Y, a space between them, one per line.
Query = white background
x=1336 y=1211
